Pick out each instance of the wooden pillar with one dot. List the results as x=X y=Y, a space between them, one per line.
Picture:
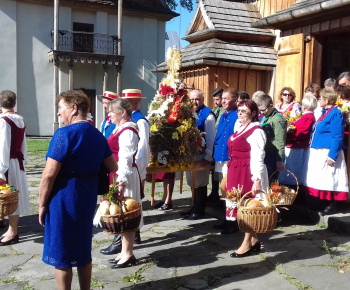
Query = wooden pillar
x=70 y=75
x=105 y=77
x=120 y=22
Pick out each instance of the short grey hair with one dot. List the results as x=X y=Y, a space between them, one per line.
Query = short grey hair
x=7 y=99
x=309 y=102
x=256 y=97
x=121 y=104
x=330 y=82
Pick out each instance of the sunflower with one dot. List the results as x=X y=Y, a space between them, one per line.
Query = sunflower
x=182 y=149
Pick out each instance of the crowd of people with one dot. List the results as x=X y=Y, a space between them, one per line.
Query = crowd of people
x=249 y=140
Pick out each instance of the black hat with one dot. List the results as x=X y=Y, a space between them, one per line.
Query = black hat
x=217 y=92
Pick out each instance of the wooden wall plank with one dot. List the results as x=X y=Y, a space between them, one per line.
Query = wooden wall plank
x=241 y=80
x=259 y=81
x=250 y=86
x=233 y=78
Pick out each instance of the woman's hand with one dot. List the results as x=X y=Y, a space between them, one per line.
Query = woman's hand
x=280 y=166
x=256 y=188
x=42 y=214
x=330 y=162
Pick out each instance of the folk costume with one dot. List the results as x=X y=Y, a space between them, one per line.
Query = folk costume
x=13 y=154
x=123 y=143
x=275 y=128
x=321 y=180
x=297 y=144
x=107 y=126
x=224 y=131
x=246 y=165
x=205 y=123
x=291 y=109
x=72 y=203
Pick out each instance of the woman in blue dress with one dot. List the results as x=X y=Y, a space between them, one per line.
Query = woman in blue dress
x=69 y=188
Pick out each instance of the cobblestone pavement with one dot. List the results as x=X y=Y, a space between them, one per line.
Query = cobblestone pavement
x=180 y=254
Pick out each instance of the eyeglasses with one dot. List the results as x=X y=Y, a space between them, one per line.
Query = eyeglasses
x=243 y=111
x=263 y=111
x=286 y=95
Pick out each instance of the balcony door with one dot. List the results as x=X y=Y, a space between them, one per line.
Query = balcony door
x=83 y=42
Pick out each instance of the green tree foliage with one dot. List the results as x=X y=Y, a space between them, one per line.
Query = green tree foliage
x=187 y=4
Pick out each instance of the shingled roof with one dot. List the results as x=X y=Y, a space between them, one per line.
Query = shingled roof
x=227 y=53
x=224 y=17
x=220 y=35
x=304 y=11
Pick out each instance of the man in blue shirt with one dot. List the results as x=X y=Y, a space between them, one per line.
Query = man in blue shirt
x=224 y=131
x=107 y=126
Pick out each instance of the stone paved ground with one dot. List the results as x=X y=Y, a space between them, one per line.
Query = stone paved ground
x=179 y=254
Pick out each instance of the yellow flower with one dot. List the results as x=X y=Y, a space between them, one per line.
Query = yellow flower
x=153 y=128
x=175 y=136
x=181 y=129
x=190 y=165
x=182 y=165
x=173 y=165
x=182 y=149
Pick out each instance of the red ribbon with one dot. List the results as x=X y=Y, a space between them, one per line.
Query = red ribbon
x=174 y=111
x=132 y=95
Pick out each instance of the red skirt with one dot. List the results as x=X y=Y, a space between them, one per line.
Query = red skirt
x=238 y=175
x=328 y=195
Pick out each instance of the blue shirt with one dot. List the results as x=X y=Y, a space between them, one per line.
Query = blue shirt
x=329 y=133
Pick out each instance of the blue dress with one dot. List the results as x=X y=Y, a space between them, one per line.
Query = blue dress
x=80 y=148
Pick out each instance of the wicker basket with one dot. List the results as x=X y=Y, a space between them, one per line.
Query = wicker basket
x=121 y=223
x=288 y=199
x=257 y=219
x=8 y=203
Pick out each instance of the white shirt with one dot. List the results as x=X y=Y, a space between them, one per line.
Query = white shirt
x=210 y=132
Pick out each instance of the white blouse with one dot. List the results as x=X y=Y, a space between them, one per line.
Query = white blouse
x=143 y=154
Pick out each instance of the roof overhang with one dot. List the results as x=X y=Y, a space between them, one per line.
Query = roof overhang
x=162 y=68
x=215 y=33
x=305 y=13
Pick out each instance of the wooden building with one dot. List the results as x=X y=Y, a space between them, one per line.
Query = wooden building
x=225 y=51
x=314 y=43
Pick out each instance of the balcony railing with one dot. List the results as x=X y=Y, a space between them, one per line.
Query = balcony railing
x=87 y=42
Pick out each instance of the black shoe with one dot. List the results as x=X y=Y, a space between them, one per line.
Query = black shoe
x=113 y=261
x=159 y=204
x=131 y=261
x=137 y=240
x=2 y=224
x=213 y=197
x=232 y=227
x=247 y=253
x=187 y=212
x=221 y=226
x=329 y=210
x=256 y=248
x=12 y=241
x=166 y=206
x=113 y=248
x=194 y=216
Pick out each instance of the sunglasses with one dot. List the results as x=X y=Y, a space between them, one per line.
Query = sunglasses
x=286 y=95
x=243 y=111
